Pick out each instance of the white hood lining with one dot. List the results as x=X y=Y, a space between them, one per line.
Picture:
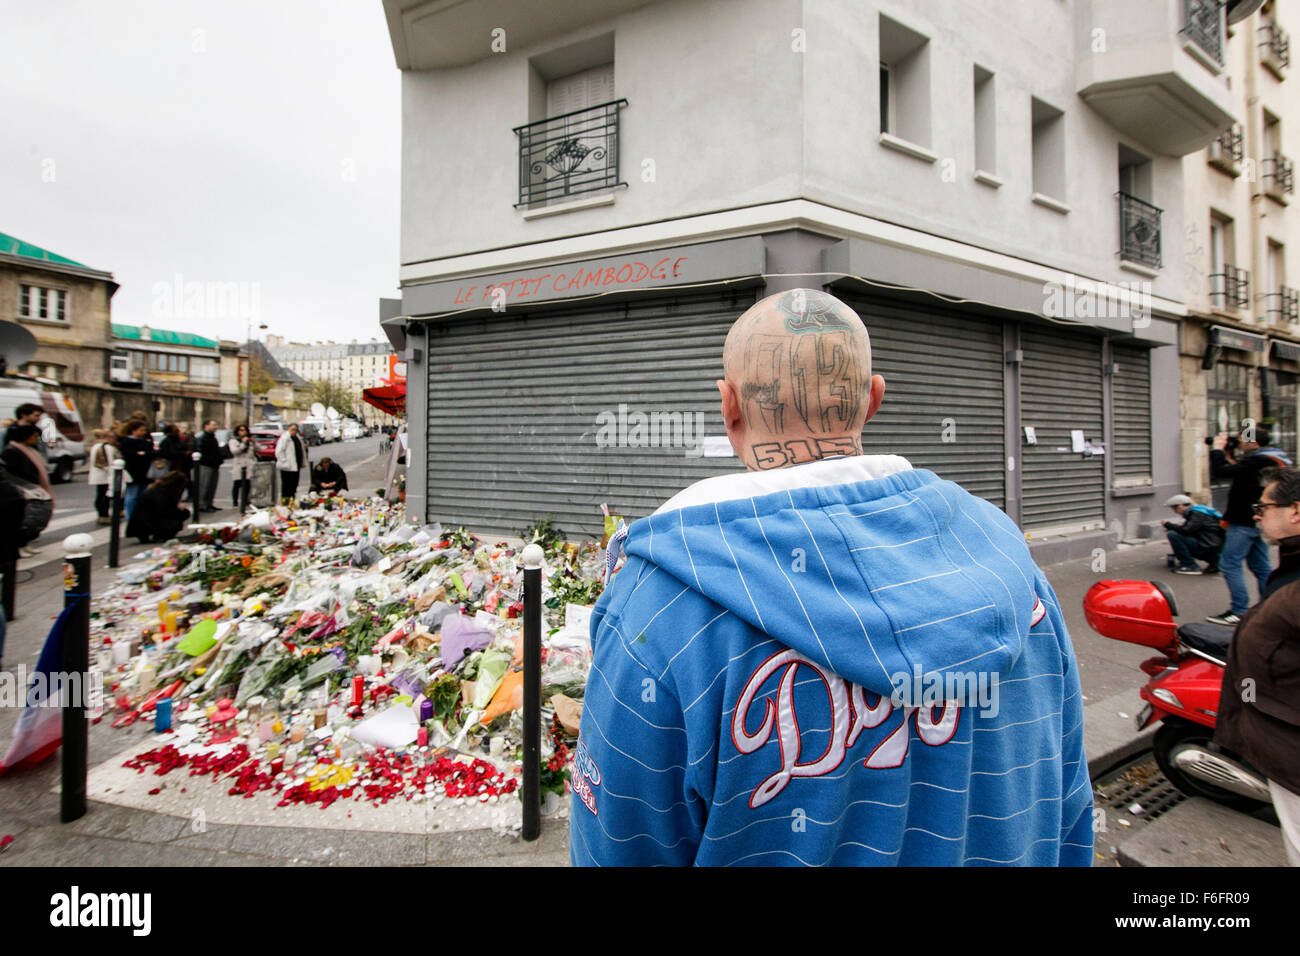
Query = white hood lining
x=753 y=484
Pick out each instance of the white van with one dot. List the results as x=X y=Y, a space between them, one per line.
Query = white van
x=61 y=426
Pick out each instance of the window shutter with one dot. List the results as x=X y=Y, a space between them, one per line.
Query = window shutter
x=1131 y=410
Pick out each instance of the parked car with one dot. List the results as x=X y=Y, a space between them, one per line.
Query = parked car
x=264 y=440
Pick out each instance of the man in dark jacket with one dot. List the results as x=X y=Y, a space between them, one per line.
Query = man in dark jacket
x=138 y=453
x=1259 y=707
x=209 y=466
x=328 y=478
x=1242 y=541
x=1199 y=536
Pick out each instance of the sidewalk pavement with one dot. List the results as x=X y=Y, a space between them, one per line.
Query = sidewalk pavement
x=112 y=835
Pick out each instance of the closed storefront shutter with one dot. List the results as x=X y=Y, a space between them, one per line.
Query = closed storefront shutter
x=943 y=407
x=517 y=404
x=1131 y=410
x=1060 y=392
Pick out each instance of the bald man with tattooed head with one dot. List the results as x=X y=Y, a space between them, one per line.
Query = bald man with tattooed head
x=831 y=657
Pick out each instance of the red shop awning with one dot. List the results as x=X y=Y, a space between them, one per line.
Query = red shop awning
x=387 y=398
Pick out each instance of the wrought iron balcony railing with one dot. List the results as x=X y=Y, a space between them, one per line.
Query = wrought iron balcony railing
x=1228 y=150
x=1139 y=231
x=1278 y=174
x=1230 y=288
x=1203 y=24
x=1284 y=305
x=1275 y=46
x=569 y=154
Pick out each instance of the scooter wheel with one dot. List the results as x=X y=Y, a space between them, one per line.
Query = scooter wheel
x=1175 y=735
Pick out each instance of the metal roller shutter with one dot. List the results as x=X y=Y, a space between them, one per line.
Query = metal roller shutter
x=944 y=400
x=515 y=401
x=1130 y=404
x=1061 y=390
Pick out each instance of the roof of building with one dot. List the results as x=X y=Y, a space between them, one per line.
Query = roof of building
x=166 y=336
x=16 y=247
x=259 y=353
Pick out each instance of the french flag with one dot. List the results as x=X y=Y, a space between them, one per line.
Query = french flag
x=40 y=726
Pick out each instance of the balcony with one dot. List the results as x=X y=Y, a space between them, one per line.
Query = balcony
x=1277 y=174
x=1204 y=27
x=1227 y=152
x=1139 y=231
x=568 y=155
x=1230 y=289
x=1284 y=306
x=1274 y=48
x=1159 y=77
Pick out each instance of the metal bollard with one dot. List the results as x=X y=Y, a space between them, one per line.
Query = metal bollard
x=532 y=796
x=244 y=486
x=76 y=660
x=196 y=489
x=115 y=512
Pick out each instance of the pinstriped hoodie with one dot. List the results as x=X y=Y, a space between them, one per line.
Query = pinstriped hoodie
x=847 y=662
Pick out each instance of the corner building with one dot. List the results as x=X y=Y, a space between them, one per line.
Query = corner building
x=593 y=192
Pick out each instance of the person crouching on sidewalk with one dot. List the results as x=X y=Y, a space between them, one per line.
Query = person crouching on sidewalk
x=1199 y=536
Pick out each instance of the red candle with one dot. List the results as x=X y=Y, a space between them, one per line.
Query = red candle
x=358 y=688
x=277 y=766
x=422 y=737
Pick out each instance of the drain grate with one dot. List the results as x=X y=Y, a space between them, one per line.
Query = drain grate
x=1142 y=783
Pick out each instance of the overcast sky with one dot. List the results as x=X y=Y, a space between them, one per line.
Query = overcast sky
x=240 y=141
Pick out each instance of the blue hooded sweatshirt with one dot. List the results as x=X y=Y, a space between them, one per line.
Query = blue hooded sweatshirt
x=846 y=662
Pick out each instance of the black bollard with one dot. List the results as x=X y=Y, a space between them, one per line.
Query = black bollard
x=194 y=488
x=532 y=796
x=115 y=512
x=76 y=674
x=244 y=487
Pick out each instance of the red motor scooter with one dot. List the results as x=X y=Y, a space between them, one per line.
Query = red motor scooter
x=1183 y=690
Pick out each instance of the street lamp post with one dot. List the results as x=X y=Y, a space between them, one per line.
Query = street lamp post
x=248 y=396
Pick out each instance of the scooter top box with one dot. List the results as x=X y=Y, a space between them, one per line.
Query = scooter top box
x=1140 y=612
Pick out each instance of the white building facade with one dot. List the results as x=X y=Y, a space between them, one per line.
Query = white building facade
x=353 y=366
x=592 y=194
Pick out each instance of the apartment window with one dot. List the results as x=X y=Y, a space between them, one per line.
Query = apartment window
x=1277 y=170
x=1047 y=144
x=986 y=140
x=1274 y=43
x=904 y=83
x=571 y=146
x=35 y=302
x=1139 y=218
x=1229 y=286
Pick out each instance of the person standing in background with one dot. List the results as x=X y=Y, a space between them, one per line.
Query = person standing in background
x=1243 y=541
x=243 y=458
x=138 y=452
x=291 y=460
x=102 y=456
x=209 y=450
